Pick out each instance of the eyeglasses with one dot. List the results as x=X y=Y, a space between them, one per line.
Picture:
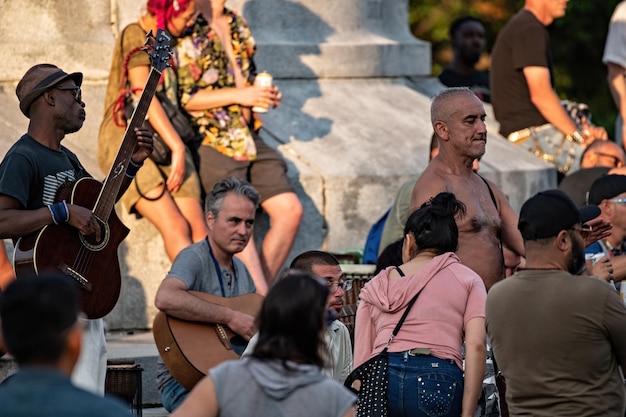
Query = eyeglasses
x=76 y=89
x=344 y=285
x=618 y=200
x=584 y=230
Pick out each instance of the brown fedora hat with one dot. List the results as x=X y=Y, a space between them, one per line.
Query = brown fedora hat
x=37 y=80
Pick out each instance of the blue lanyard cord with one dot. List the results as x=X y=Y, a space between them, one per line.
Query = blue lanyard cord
x=218 y=269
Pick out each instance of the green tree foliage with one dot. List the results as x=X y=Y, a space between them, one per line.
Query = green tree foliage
x=577 y=43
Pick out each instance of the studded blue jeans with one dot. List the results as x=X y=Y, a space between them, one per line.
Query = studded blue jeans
x=423 y=386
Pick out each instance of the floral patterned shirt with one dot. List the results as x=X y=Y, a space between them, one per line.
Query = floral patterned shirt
x=202 y=63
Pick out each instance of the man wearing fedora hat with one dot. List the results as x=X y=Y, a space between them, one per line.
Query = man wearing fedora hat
x=559 y=336
x=38 y=164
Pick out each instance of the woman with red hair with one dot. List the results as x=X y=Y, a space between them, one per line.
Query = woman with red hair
x=167 y=195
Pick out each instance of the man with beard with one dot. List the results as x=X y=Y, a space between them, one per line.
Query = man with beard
x=337 y=337
x=467 y=35
x=559 y=337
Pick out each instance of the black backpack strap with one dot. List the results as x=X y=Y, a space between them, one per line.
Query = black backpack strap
x=493 y=197
x=495 y=203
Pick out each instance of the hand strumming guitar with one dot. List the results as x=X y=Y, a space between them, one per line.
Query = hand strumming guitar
x=242 y=324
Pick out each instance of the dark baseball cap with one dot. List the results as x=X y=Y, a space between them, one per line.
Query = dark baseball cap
x=37 y=80
x=547 y=213
x=606 y=187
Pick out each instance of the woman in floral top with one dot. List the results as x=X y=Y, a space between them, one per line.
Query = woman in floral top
x=216 y=72
x=167 y=195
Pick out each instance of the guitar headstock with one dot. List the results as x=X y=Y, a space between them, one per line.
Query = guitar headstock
x=158 y=48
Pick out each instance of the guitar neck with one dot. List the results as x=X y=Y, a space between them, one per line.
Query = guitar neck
x=113 y=181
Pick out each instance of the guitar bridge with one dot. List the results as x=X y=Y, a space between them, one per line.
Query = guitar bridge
x=223 y=336
x=81 y=280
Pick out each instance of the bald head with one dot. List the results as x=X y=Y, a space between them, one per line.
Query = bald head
x=602 y=153
x=443 y=105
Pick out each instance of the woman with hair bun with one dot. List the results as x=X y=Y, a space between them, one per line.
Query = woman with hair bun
x=167 y=195
x=426 y=375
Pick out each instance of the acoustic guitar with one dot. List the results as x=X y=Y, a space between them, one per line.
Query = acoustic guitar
x=94 y=264
x=189 y=349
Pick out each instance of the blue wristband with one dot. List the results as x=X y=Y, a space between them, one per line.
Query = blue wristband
x=131 y=170
x=59 y=211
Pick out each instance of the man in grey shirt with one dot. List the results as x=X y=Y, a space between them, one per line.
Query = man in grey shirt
x=209 y=266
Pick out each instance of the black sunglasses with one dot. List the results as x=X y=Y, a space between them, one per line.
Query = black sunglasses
x=75 y=89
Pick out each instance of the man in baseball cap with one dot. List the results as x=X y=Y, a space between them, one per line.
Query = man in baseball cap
x=550 y=326
x=549 y=212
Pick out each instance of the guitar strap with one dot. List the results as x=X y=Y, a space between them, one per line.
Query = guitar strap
x=218 y=269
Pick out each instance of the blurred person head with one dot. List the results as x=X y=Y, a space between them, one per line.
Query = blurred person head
x=433 y=227
x=467 y=36
x=292 y=320
x=40 y=321
x=175 y=16
x=546 y=11
x=390 y=256
x=602 y=153
x=608 y=192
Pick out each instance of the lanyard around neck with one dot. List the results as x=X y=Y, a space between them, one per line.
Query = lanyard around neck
x=218 y=269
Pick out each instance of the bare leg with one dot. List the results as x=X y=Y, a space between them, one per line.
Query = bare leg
x=6 y=268
x=285 y=213
x=191 y=210
x=165 y=216
x=250 y=257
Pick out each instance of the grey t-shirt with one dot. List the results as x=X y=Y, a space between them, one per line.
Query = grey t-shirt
x=195 y=267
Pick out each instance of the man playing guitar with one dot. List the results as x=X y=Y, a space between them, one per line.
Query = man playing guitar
x=37 y=165
x=209 y=266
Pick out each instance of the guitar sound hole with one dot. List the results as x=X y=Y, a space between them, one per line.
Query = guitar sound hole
x=90 y=240
x=238 y=344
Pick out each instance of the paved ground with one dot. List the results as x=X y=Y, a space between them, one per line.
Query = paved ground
x=154 y=412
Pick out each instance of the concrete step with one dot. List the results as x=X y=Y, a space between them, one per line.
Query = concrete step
x=155 y=412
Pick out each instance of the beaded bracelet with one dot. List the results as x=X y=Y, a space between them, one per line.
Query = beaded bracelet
x=132 y=169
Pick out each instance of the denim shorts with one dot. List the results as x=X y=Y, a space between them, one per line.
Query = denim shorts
x=424 y=386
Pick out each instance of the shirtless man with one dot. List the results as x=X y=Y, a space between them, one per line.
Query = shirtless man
x=458 y=119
